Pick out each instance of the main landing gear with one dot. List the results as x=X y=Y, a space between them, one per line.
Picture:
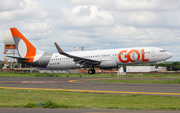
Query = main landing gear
x=156 y=66
x=92 y=71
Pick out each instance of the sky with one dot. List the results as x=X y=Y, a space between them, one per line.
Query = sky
x=94 y=24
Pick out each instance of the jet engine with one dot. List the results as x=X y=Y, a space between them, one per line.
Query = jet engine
x=107 y=64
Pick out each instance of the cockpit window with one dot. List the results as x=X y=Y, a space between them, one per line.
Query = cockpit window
x=162 y=50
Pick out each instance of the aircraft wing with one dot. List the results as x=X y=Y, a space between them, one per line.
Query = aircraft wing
x=78 y=59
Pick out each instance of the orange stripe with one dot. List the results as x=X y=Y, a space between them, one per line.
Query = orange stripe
x=31 y=50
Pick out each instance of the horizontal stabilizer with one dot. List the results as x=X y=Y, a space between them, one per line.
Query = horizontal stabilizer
x=19 y=58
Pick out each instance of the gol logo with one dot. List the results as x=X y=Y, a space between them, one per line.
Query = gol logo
x=128 y=56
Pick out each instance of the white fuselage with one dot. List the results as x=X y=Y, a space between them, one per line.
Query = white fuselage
x=121 y=56
x=105 y=59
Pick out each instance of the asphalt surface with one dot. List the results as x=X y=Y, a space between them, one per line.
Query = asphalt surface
x=81 y=84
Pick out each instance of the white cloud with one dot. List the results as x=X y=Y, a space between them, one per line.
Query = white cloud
x=8 y=5
x=26 y=10
x=86 y=16
x=138 y=5
x=35 y=27
x=80 y=2
x=102 y=24
x=148 y=19
x=129 y=5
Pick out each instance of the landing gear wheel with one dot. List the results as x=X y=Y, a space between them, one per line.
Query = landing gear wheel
x=92 y=71
x=156 y=67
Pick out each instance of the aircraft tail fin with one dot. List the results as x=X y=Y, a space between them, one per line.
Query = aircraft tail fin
x=25 y=48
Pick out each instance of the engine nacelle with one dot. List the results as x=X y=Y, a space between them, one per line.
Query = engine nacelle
x=107 y=64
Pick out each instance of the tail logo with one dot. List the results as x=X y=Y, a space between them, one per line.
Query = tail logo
x=22 y=49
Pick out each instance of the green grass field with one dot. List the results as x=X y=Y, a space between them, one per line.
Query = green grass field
x=17 y=74
x=83 y=100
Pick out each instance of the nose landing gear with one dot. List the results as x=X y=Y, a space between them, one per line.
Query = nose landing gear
x=92 y=71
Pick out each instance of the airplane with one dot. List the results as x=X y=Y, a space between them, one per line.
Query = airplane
x=104 y=59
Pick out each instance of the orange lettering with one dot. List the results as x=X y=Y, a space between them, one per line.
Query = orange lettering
x=126 y=56
x=143 y=56
x=137 y=52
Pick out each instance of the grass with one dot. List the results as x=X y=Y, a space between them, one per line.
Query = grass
x=83 y=100
x=153 y=75
x=174 y=81
x=17 y=74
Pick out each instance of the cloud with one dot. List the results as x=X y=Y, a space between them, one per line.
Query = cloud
x=35 y=27
x=94 y=24
x=80 y=2
x=86 y=16
x=149 y=19
x=22 y=11
x=138 y=13
x=129 y=5
x=10 y=5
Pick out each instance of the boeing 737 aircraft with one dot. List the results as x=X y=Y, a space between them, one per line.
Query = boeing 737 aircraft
x=104 y=59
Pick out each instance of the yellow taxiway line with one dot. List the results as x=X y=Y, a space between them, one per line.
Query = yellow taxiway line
x=84 y=80
x=93 y=91
x=79 y=80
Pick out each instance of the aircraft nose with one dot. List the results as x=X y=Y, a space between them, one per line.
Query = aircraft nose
x=169 y=55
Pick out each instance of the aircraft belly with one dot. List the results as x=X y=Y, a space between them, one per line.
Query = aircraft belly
x=62 y=65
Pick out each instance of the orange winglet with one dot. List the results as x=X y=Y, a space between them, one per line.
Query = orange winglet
x=59 y=49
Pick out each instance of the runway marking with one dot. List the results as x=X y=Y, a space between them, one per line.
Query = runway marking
x=94 y=91
x=90 y=79
x=84 y=80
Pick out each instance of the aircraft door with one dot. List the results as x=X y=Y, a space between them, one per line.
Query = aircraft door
x=153 y=53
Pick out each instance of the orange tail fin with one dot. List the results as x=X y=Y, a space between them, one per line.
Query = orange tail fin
x=24 y=47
